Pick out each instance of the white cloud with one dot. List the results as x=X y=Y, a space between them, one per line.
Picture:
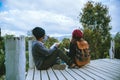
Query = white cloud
x=115 y=13
x=25 y=20
x=56 y=17
x=59 y=35
x=9 y=32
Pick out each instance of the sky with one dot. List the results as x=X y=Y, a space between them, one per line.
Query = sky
x=57 y=17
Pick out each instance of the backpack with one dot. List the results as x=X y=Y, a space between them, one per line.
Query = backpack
x=82 y=56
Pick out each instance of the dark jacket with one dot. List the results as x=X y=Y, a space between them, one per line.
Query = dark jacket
x=40 y=52
x=72 y=49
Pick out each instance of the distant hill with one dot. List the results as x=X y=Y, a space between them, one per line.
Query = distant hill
x=60 y=38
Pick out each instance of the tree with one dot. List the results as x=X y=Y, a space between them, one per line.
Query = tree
x=50 y=41
x=117 y=45
x=95 y=21
x=2 y=57
x=64 y=44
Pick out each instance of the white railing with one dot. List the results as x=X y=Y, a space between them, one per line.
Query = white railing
x=112 y=50
x=15 y=60
x=31 y=62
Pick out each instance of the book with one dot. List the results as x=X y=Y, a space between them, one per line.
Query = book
x=54 y=45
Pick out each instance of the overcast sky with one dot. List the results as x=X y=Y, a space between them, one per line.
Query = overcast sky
x=57 y=17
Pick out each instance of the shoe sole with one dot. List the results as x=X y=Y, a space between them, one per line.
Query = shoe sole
x=59 y=67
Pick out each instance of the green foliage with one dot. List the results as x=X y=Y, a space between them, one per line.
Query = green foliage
x=2 y=77
x=8 y=36
x=117 y=45
x=50 y=42
x=26 y=43
x=95 y=20
x=27 y=60
x=2 y=66
x=2 y=57
x=64 y=44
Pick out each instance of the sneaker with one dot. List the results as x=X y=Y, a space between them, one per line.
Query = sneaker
x=59 y=66
x=73 y=66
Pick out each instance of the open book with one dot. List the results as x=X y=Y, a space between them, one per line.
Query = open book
x=54 y=45
x=67 y=50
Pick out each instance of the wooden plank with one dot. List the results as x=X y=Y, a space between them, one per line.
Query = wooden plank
x=44 y=75
x=67 y=75
x=51 y=74
x=105 y=63
x=107 y=67
x=75 y=75
x=37 y=74
x=114 y=64
x=98 y=65
x=83 y=74
x=118 y=60
x=92 y=75
x=103 y=72
x=107 y=71
x=112 y=61
x=59 y=75
x=30 y=74
x=88 y=68
x=97 y=70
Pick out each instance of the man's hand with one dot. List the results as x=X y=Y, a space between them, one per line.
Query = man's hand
x=57 y=44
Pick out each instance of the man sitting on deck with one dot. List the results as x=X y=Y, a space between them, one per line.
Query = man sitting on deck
x=45 y=58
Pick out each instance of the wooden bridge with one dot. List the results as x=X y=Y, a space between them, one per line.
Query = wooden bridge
x=100 y=69
x=15 y=62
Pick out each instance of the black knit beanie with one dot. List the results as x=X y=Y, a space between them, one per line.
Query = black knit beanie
x=38 y=32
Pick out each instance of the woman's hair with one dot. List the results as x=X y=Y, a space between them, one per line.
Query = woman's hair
x=73 y=40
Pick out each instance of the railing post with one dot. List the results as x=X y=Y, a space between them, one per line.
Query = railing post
x=15 y=58
x=31 y=62
x=112 y=50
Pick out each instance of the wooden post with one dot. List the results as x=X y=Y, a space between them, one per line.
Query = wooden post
x=111 y=50
x=15 y=58
x=31 y=62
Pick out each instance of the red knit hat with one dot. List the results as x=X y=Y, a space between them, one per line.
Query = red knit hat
x=77 y=33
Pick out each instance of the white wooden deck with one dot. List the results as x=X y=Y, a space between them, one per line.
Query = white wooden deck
x=100 y=69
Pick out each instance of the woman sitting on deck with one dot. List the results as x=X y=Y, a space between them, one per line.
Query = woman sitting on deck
x=79 y=49
x=45 y=58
